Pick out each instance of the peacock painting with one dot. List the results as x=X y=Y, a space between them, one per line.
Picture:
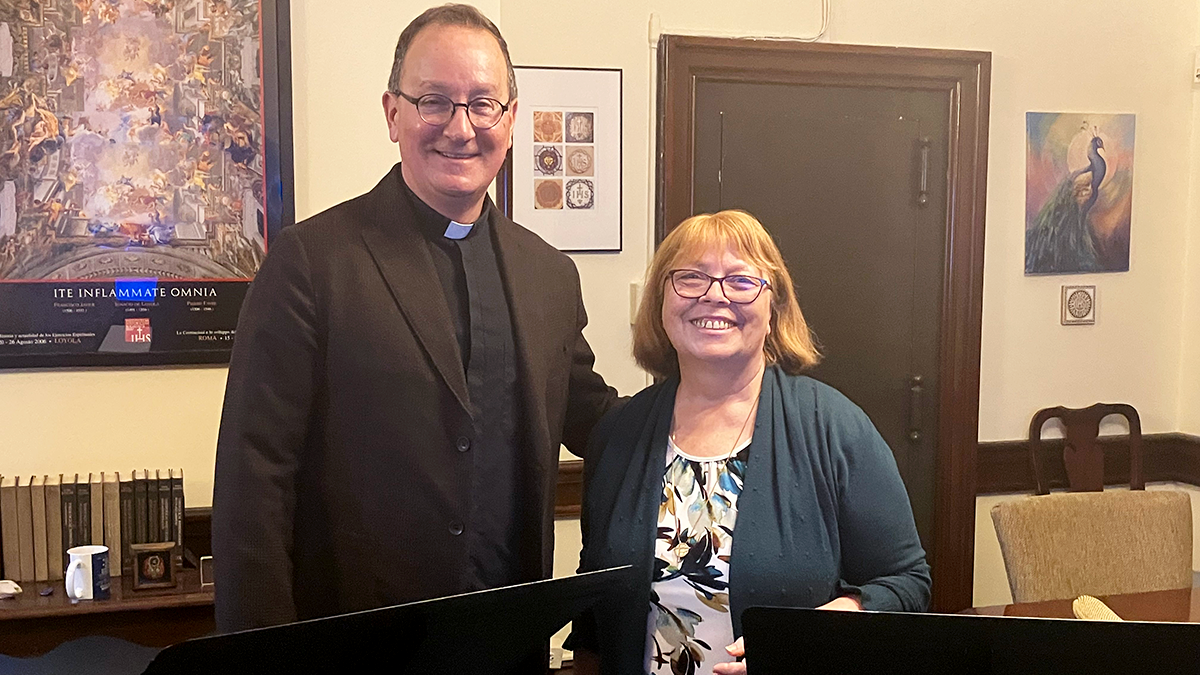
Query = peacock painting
x=1078 y=192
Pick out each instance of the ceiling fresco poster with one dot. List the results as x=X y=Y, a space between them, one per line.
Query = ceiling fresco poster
x=133 y=173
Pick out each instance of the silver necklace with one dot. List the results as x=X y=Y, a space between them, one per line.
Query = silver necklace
x=742 y=430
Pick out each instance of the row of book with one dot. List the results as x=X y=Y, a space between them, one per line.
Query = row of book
x=41 y=517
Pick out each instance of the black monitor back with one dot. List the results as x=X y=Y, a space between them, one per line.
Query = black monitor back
x=494 y=631
x=788 y=640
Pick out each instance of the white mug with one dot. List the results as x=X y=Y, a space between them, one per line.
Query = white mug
x=87 y=575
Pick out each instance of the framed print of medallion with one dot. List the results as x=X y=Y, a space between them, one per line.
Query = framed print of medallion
x=1078 y=305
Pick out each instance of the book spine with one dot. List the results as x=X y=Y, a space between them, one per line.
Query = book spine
x=97 y=481
x=166 y=529
x=177 y=513
x=54 y=527
x=70 y=516
x=83 y=512
x=140 y=508
x=112 y=522
x=37 y=497
x=128 y=527
x=151 y=507
x=25 y=530
x=9 y=537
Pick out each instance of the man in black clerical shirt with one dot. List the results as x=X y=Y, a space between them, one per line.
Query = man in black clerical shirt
x=405 y=367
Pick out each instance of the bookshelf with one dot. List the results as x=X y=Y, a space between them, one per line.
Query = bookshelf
x=31 y=625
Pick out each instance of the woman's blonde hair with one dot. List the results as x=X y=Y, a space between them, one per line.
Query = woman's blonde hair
x=790 y=342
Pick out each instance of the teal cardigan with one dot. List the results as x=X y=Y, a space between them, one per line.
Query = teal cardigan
x=823 y=512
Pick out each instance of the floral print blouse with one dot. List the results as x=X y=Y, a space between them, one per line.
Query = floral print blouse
x=689 y=623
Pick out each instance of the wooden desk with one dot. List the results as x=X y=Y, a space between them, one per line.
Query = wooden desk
x=1182 y=605
x=31 y=625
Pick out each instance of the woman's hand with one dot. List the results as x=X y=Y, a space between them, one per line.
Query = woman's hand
x=737 y=650
x=845 y=603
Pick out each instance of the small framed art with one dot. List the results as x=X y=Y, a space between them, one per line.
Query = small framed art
x=1078 y=305
x=153 y=566
x=563 y=177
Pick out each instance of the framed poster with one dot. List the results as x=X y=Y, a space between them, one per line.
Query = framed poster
x=563 y=177
x=1078 y=192
x=145 y=163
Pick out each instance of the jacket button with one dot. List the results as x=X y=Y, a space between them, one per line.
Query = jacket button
x=456 y=528
x=463 y=444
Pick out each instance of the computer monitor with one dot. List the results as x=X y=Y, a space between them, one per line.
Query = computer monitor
x=493 y=631
x=789 y=640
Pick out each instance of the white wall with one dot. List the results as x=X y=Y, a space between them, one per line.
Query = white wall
x=113 y=420
x=1110 y=56
x=1189 y=385
x=1103 y=56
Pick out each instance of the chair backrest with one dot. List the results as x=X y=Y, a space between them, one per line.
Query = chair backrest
x=1082 y=453
x=1120 y=541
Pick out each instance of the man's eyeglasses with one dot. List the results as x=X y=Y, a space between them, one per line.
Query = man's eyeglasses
x=436 y=109
x=739 y=289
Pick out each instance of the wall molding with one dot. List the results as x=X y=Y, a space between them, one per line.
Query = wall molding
x=1004 y=466
x=568 y=499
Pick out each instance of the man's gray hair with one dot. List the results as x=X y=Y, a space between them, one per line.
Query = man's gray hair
x=449 y=15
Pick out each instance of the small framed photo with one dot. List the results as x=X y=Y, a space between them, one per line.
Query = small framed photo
x=153 y=566
x=1078 y=305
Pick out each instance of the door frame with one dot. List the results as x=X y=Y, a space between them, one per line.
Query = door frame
x=966 y=77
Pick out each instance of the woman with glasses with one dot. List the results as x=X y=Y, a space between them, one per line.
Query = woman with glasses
x=734 y=481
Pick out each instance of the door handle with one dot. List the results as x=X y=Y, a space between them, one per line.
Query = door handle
x=914 y=409
x=923 y=195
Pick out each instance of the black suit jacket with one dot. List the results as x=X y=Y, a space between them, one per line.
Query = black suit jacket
x=338 y=470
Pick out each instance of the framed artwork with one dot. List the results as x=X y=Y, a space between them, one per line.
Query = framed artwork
x=1078 y=192
x=563 y=176
x=1078 y=305
x=153 y=566
x=145 y=165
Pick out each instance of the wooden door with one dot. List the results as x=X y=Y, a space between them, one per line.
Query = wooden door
x=852 y=184
x=866 y=164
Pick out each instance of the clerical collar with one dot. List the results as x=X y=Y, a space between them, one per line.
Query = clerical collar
x=434 y=225
x=458 y=230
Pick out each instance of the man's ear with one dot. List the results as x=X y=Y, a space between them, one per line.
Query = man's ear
x=391 y=114
x=512 y=129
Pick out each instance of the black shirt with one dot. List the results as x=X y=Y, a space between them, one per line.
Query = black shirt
x=502 y=529
x=447 y=260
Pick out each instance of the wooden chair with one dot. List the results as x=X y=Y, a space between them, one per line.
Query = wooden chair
x=1096 y=543
x=1082 y=453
